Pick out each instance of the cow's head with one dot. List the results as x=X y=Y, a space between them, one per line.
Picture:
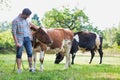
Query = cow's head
x=59 y=58
x=42 y=35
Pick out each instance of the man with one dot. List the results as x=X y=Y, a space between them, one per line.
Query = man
x=22 y=37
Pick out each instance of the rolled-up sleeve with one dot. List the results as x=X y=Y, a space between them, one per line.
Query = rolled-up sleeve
x=14 y=27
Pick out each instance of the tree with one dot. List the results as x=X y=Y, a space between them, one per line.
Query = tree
x=89 y=27
x=6 y=39
x=74 y=19
x=66 y=18
x=4 y=26
x=117 y=35
x=111 y=36
x=35 y=20
x=5 y=4
x=117 y=38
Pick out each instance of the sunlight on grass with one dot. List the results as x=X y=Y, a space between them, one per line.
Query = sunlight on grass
x=81 y=70
x=108 y=75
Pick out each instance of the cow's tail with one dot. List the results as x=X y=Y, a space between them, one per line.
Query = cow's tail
x=98 y=41
x=101 y=40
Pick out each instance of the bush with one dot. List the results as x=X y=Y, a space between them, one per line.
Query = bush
x=6 y=40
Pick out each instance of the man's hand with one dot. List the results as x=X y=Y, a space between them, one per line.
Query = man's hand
x=18 y=45
x=33 y=26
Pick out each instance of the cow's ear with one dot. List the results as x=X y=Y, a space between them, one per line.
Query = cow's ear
x=33 y=29
x=39 y=28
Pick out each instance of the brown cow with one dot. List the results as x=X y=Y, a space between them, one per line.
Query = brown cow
x=61 y=42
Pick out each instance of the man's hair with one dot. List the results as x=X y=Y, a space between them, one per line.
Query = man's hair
x=26 y=11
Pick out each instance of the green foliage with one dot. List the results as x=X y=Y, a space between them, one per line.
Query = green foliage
x=90 y=28
x=117 y=38
x=111 y=37
x=4 y=26
x=65 y=18
x=6 y=39
x=105 y=45
x=35 y=20
x=74 y=19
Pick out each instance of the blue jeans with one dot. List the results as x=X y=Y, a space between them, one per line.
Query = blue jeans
x=28 y=46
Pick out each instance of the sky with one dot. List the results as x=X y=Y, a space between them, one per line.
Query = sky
x=102 y=13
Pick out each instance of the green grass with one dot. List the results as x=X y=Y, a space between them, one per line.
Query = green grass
x=81 y=70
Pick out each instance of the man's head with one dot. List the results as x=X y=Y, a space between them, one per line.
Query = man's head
x=26 y=13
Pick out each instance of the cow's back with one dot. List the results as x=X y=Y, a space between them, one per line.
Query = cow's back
x=68 y=34
x=58 y=35
x=86 y=40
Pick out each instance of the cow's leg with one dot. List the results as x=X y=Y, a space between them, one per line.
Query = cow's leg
x=67 y=60
x=101 y=55
x=73 y=57
x=67 y=54
x=41 y=60
x=92 y=55
x=34 y=59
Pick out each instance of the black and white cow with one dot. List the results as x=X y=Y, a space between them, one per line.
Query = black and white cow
x=85 y=41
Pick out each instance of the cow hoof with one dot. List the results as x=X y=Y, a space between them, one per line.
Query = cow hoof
x=72 y=63
x=89 y=62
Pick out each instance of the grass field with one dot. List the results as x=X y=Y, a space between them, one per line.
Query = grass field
x=81 y=70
